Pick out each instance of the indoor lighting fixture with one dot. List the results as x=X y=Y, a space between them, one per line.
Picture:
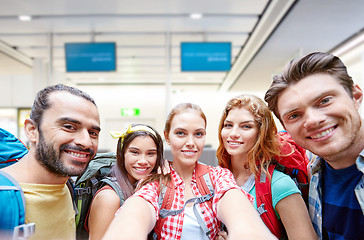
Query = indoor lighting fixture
x=195 y=15
x=25 y=17
x=349 y=44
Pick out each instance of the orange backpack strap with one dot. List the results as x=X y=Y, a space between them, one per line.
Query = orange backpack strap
x=204 y=183
x=166 y=196
x=263 y=192
x=165 y=201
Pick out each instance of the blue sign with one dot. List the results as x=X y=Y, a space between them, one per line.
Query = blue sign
x=205 y=56
x=90 y=57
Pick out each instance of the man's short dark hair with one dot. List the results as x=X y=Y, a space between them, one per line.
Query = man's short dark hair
x=41 y=102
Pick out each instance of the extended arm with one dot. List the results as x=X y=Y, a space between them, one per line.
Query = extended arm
x=134 y=221
x=294 y=215
x=102 y=212
x=240 y=217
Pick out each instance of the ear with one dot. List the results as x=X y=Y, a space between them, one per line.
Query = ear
x=31 y=131
x=357 y=95
x=166 y=136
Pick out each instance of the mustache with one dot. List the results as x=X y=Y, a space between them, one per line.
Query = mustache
x=76 y=148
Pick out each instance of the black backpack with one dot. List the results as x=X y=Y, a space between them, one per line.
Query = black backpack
x=95 y=177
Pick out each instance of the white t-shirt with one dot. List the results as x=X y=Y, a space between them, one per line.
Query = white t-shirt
x=191 y=229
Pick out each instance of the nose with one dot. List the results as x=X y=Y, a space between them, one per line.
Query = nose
x=234 y=133
x=190 y=141
x=313 y=119
x=142 y=160
x=83 y=139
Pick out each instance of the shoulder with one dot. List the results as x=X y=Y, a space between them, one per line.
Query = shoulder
x=219 y=170
x=282 y=186
x=280 y=179
x=106 y=197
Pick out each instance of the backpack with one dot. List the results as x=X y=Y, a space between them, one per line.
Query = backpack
x=95 y=176
x=11 y=149
x=166 y=196
x=12 y=201
x=292 y=163
x=11 y=194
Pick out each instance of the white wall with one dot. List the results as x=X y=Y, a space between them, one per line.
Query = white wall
x=151 y=101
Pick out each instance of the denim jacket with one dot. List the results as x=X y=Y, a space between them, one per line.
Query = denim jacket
x=315 y=194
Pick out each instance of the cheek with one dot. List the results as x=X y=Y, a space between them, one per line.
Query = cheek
x=200 y=142
x=129 y=161
x=224 y=135
x=176 y=143
x=152 y=161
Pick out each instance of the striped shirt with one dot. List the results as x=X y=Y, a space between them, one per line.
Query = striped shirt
x=315 y=194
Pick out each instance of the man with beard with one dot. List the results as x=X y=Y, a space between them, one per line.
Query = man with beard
x=63 y=131
x=318 y=103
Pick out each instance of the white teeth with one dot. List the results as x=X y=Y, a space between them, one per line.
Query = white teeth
x=77 y=154
x=141 y=169
x=234 y=143
x=322 y=134
x=189 y=152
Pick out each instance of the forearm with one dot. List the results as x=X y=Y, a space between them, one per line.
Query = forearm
x=295 y=218
x=240 y=217
x=134 y=221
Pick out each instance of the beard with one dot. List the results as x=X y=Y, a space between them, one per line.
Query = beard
x=50 y=158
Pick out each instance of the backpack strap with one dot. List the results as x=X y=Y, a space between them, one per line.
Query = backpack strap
x=19 y=229
x=265 y=208
x=165 y=201
x=71 y=188
x=166 y=196
x=112 y=182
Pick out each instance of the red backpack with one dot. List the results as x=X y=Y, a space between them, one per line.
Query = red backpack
x=293 y=162
x=166 y=196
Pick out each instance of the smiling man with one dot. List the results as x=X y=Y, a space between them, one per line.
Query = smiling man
x=63 y=131
x=318 y=103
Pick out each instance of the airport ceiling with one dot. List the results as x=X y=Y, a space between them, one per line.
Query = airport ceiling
x=264 y=35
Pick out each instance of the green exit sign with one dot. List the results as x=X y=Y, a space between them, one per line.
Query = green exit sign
x=127 y=112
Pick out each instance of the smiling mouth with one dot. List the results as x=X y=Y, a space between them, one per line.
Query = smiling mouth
x=235 y=143
x=78 y=155
x=188 y=152
x=323 y=133
x=142 y=170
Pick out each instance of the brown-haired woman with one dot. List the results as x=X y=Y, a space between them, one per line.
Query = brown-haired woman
x=247 y=146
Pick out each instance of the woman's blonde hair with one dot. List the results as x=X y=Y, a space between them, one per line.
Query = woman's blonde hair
x=266 y=147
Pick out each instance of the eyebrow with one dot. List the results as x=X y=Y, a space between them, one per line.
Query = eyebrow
x=288 y=112
x=67 y=119
x=321 y=95
x=136 y=148
x=247 y=121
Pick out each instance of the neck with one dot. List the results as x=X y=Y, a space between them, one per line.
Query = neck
x=240 y=171
x=184 y=171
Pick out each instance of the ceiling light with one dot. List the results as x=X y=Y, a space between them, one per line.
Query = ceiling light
x=349 y=45
x=25 y=17
x=196 y=15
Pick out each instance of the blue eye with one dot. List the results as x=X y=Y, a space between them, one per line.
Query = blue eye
x=325 y=100
x=180 y=133
x=293 y=116
x=200 y=134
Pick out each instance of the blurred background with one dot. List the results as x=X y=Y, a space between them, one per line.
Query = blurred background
x=140 y=58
